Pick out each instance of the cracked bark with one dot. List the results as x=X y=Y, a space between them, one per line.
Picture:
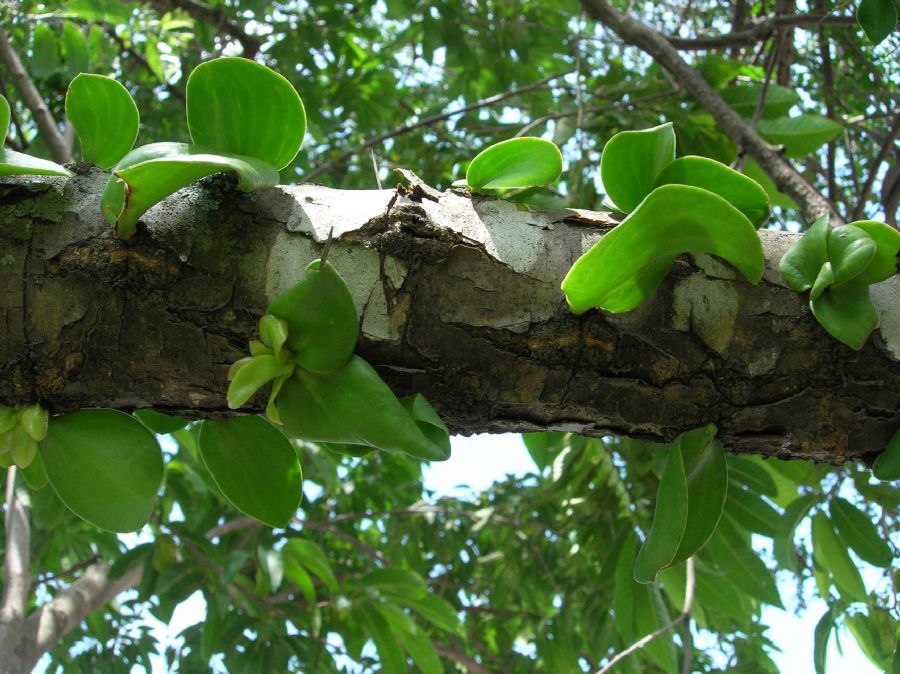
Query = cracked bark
x=459 y=300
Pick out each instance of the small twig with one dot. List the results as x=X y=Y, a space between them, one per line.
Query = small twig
x=77 y=566
x=682 y=617
x=759 y=31
x=327 y=247
x=883 y=152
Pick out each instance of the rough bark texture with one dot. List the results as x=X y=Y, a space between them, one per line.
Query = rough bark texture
x=459 y=300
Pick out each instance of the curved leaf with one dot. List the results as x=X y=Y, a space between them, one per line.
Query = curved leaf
x=752 y=513
x=428 y=421
x=238 y=107
x=673 y=219
x=254 y=466
x=887 y=242
x=105 y=466
x=159 y=423
x=846 y=312
x=4 y=119
x=878 y=18
x=352 y=405
x=850 y=250
x=831 y=555
x=252 y=376
x=150 y=173
x=821 y=636
x=35 y=475
x=887 y=464
x=855 y=528
x=45 y=59
x=104 y=116
x=322 y=323
x=744 y=98
x=632 y=161
x=783 y=547
x=800 y=265
x=14 y=163
x=744 y=193
x=309 y=555
x=734 y=555
x=515 y=163
x=800 y=135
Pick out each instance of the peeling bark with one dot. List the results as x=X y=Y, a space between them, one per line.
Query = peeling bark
x=459 y=299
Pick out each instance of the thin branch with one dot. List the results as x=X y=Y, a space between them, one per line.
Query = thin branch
x=886 y=147
x=785 y=176
x=77 y=566
x=46 y=124
x=461 y=659
x=16 y=569
x=685 y=615
x=760 y=31
x=216 y=17
x=828 y=82
x=141 y=61
x=427 y=121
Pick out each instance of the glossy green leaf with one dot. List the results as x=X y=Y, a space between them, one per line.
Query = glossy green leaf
x=78 y=57
x=752 y=512
x=159 y=423
x=846 y=312
x=674 y=219
x=15 y=163
x=855 y=528
x=273 y=332
x=706 y=472
x=887 y=256
x=669 y=520
x=515 y=163
x=783 y=547
x=744 y=98
x=254 y=466
x=850 y=250
x=821 y=636
x=35 y=475
x=887 y=464
x=104 y=116
x=150 y=173
x=105 y=466
x=323 y=326
x=632 y=161
x=4 y=119
x=831 y=554
x=428 y=421
x=252 y=376
x=733 y=553
x=308 y=554
x=34 y=420
x=744 y=193
x=878 y=18
x=45 y=59
x=352 y=405
x=800 y=135
x=800 y=265
x=390 y=655
x=435 y=610
x=238 y=107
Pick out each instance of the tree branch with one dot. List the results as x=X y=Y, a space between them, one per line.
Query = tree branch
x=682 y=617
x=16 y=570
x=472 y=667
x=50 y=132
x=767 y=156
x=760 y=30
x=218 y=18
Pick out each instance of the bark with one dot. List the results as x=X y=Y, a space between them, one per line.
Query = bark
x=459 y=299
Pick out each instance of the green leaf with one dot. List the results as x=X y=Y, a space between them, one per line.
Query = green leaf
x=734 y=555
x=744 y=98
x=428 y=421
x=543 y=446
x=422 y=652
x=776 y=197
x=821 y=635
x=874 y=641
x=435 y=610
x=855 y=528
x=673 y=219
x=515 y=163
x=4 y=119
x=150 y=173
x=15 y=163
x=254 y=466
x=831 y=554
x=850 y=250
x=21 y=447
x=878 y=18
x=396 y=581
x=273 y=332
x=161 y=424
x=35 y=475
x=390 y=655
x=800 y=265
x=887 y=464
x=669 y=520
x=44 y=52
x=352 y=405
x=783 y=547
x=801 y=135
x=252 y=376
x=104 y=116
x=632 y=161
x=752 y=513
x=744 y=193
x=650 y=614
x=105 y=466
x=846 y=312
x=308 y=554
x=34 y=420
x=238 y=107
x=707 y=482
x=887 y=242
x=322 y=322
x=78 y=57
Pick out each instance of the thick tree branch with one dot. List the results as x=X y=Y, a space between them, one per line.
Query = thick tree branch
x=16 y=571
x=769 y=158
x=217 y=18
x=760 y=30
x=55 y=141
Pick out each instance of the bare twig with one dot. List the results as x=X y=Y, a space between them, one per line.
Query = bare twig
x=759 y=31
x=22 y=81
x=16 y=569
x=427 y=121
x=785 y=176
x=685 y=615
x=887 y=147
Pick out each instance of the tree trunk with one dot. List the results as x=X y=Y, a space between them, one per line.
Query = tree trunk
x=459 y=299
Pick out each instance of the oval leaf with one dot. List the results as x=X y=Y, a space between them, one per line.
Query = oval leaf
x=515 y=163
x=674 y=219
x=150 y=173
x=254 y=466
x=878 y=18
x=354 y=406
x=323 y=326
x=632 y=161
x=800 y=135
x=887 y=464
x=238 y=107
x=887 y=255
x=104 y=116
x=744 y=193
x=855 y=528
x=105 y=466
